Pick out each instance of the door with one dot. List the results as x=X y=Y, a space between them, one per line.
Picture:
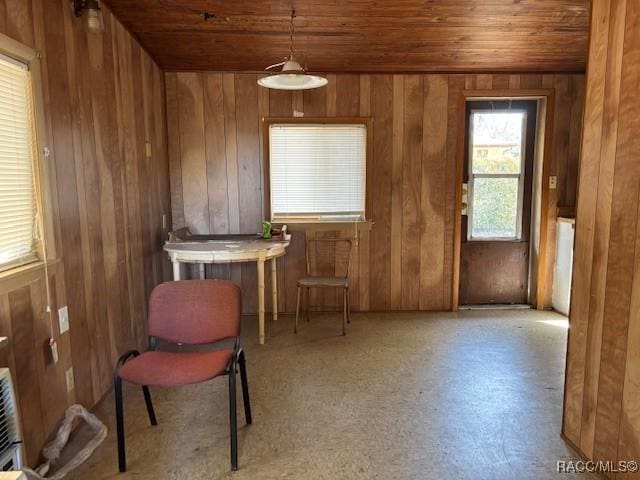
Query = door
x=497 y=192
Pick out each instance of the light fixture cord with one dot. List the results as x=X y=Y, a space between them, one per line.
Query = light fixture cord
x=39 y=226
x=291 y=32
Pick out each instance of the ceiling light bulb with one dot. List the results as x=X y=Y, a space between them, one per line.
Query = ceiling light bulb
x=95 y=22
x=91 y=14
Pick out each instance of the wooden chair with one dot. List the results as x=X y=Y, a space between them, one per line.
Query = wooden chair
x=328 y=267
x=189 y=312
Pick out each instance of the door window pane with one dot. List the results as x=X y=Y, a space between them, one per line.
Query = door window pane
x=495 y=207
x=496 y=174
x=497 y=142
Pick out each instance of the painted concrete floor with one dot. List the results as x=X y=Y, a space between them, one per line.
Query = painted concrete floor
x=473 y=395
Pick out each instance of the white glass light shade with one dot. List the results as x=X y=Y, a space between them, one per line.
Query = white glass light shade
x=292 y=81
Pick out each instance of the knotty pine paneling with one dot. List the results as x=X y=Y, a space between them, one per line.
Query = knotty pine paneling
x=601 y=396
x=104 y=98
x=405 y=262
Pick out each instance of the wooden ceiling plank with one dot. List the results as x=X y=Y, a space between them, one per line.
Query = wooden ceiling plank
x=364 y=35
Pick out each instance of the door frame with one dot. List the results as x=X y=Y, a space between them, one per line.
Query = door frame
x=546 y=114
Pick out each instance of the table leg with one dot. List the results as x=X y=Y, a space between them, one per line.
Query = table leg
x=176 y=270
x=274 y=288
x=261 y=300
x=201 y=270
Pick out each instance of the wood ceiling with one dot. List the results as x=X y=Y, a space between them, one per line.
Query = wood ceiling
x=363 y=35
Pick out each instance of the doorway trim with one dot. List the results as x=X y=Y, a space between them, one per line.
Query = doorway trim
x=546 y=116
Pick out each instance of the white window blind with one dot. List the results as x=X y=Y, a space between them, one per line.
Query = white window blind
x=17 y=189
x=317 y=171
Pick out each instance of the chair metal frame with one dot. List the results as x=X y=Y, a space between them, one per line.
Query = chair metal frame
x=237 y=360
x=346 y=299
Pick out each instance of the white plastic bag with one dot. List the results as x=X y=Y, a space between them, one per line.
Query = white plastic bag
x=52 y=451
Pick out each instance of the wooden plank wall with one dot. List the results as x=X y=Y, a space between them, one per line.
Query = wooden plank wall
x=601 y=415
x=104 y=97
x=405 y=262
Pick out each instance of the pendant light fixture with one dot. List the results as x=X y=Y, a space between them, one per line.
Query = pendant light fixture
x=292 y=76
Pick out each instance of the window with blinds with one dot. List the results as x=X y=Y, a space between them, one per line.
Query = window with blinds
x=17 y=153
x=317 y=172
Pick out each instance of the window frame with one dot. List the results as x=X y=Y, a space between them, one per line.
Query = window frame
x=266 y=124
x=32 y=59
x=520 y=176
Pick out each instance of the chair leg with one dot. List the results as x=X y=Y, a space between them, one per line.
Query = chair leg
x=233 y=420
x=149 y=404
x=117 y=388
x=308 y=304
x=344 y=312
x=245 y=388
x=122 y=456
x=348 y=306
x=295 y=326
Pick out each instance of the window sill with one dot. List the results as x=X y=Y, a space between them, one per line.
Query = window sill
x=305 y=226
x=496 y=240
x=24 y=275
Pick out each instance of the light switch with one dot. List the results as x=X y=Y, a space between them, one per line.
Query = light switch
x=63 y=319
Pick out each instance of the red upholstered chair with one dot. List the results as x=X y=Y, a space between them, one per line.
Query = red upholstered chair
x=192 y=312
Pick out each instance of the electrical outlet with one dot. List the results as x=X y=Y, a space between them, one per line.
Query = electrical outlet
x=553 y=182
x=70 y=380
x=63 y=319
x=147 y=149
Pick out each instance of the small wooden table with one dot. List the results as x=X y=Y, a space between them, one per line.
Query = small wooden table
x=233 y=250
